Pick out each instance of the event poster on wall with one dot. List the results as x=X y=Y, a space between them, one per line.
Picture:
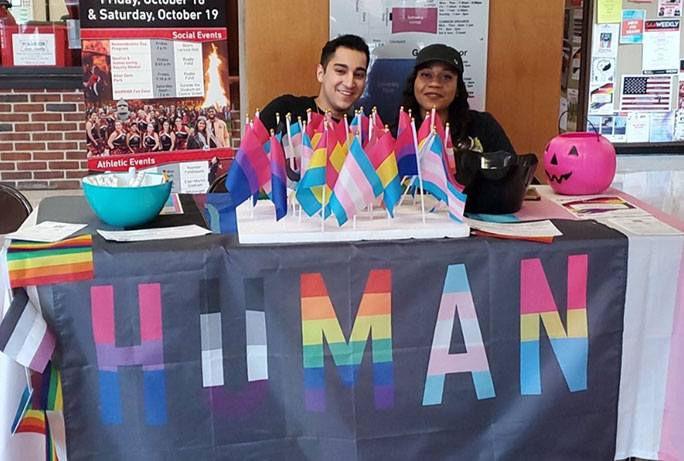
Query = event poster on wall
x=396 y=30
x=155 y=78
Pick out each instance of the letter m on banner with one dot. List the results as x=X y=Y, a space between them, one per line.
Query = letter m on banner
x=571 y=346
x=149 y=354
x=373 y=319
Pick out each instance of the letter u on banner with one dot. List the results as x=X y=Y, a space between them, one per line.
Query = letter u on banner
x=570 y=347
x=149 y=354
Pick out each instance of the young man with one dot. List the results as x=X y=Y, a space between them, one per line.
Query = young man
x=218 y=129
x=342 y=75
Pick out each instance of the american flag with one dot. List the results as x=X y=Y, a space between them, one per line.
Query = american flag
x=646 y=93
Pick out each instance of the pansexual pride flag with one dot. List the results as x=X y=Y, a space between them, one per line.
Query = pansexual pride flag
x=382 y=156
x=48 y=263
x=310 y=188
x=357 y=185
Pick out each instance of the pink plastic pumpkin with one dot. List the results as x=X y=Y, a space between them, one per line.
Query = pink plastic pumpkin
x=579 y=163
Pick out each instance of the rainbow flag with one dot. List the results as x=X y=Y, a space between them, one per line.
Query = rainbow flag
x=47 y=389
x=40 y=402
x=32 y=263
x=357 y=185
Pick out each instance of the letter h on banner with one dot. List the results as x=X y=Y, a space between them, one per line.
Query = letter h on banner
x=149 y=354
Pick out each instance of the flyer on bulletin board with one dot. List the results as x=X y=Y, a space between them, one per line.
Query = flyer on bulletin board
x=669 y=8
x=661 y=46
x=609 y=11
x=606 y=40
x=632 y=30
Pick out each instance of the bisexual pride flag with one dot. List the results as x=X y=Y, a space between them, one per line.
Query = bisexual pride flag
x=250 y=169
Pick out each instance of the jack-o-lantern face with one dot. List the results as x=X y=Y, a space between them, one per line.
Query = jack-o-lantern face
x=559 y=178
x=579 y=163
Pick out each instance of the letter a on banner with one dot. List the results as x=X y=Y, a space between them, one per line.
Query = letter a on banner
x=149 y=354
x=456 y=297
x=373 y=319
x=570 y=347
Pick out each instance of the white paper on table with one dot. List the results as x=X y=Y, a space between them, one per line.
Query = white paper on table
x=645 y=225
x=599 y=206
x=47 y=232
x=160 y=233
x=523 y=229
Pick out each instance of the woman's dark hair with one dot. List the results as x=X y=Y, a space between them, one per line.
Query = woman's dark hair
x=459 y=114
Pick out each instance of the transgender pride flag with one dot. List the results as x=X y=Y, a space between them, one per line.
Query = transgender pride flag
x=357 y=184
x=436 y=179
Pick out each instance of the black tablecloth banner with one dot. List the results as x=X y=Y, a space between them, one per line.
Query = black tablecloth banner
x=134 y=390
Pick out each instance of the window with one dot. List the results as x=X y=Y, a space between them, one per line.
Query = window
x=39 y=33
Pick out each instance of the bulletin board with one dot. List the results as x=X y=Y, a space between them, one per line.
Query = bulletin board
x=635 y=82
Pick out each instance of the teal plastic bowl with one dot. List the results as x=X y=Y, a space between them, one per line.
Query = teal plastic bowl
x=124 y=206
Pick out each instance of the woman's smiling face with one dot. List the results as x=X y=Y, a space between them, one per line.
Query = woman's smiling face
x=436 y=85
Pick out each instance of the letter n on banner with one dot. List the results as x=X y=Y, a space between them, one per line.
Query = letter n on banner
x=149 y=354
x=570 y=347
x=319 y=321
x=456 y=296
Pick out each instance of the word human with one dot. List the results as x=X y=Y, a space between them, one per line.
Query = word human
x=372 y=329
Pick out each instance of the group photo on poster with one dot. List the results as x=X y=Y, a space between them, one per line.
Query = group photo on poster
x=156 y=83
x=133 y=125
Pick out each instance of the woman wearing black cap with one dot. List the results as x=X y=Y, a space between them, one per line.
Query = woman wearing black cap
x=437 y=81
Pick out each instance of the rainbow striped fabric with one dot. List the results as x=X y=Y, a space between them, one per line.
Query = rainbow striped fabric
x=48 y=263
x=41 y=405
x=320 y=322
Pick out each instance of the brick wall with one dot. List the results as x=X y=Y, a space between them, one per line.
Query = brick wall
x=42 y=142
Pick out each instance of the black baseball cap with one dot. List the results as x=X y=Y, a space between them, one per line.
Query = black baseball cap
x=441 y=53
